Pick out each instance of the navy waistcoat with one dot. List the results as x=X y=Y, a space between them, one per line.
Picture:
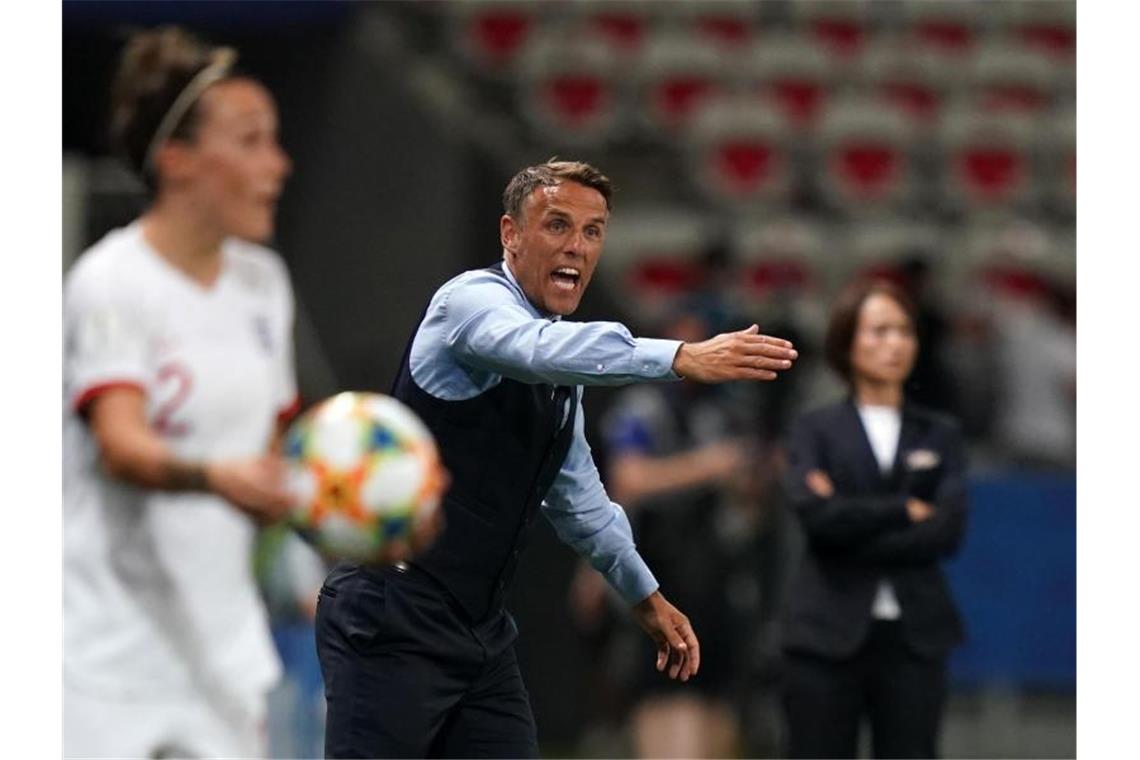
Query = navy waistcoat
x=503 y=449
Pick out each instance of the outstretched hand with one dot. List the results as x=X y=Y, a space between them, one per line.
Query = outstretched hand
x=742 y=355
x=677 y=645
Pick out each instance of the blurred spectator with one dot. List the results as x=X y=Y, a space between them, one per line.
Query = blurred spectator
x=931 y=383
x=1037 y=349
x=878 y=484
x=675 y=460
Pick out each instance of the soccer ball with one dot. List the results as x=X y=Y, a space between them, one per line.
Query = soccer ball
x=365 y=476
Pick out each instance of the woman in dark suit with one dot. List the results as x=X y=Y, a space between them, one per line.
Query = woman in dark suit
x=878 y=485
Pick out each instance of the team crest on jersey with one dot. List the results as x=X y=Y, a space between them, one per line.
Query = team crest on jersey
x=263 y=332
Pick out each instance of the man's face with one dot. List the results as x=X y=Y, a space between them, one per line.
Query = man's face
x=554 y=248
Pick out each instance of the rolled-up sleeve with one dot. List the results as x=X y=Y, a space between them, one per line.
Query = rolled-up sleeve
x=595 y=527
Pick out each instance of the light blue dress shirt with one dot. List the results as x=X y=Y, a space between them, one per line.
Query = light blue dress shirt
x=479 y=329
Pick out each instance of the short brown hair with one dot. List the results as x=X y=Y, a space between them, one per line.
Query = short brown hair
x=845 y=319
x=549 y=174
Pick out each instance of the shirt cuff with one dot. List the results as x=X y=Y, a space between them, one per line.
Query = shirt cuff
x=632 y=578
x=653 y=358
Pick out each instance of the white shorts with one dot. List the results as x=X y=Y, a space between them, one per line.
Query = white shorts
x=170 y=726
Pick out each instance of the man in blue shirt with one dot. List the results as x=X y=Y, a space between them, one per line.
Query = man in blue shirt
x=418 y=657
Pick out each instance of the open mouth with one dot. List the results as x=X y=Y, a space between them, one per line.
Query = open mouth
x=566 y=278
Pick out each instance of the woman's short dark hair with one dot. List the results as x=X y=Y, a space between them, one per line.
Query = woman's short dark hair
x=845 y=319
x=155 y=67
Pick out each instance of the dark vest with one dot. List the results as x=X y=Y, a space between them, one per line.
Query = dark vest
x=503 y=449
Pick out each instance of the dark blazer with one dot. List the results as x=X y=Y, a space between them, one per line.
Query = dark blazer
x=862 y=533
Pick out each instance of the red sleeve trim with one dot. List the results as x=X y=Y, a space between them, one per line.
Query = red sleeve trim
x=84 y=401
x=287 y=413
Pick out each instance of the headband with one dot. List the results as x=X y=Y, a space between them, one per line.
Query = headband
x=223 y=60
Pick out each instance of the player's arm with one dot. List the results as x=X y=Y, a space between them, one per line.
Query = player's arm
x=585 y=519
x=488 y=330
x=130 y=450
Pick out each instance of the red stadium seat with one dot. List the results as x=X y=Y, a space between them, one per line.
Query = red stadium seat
x=1011 y=78
x=655 y=256
x=908 y=75
x=794 y=76
x=676 y=74
x=779 y=263
x=493 y=33
x=950 y=28
x=624 y=25
x=867 y=156
x=1050 y=27
x=739 y=151
x=568 y=89
x=987 y=160
x=839 y=27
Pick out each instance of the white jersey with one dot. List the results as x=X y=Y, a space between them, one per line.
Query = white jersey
x=159 y=594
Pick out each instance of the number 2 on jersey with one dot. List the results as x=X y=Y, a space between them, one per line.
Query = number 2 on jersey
x=177 y=376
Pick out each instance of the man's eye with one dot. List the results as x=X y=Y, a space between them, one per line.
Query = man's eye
x=558 y=225
x=593 y=232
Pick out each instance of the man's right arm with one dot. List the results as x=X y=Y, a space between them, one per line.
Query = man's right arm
x=488 y=330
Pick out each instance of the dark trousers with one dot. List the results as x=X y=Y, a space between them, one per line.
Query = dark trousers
x=407 y=676
x=901 y=694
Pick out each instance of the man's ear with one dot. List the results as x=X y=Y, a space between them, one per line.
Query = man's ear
x=508 y=233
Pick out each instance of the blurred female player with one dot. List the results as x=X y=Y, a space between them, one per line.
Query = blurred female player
x=879 y=487
x=178 y=367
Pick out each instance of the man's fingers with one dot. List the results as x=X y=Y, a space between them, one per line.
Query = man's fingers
x=765 y=362
x=753 y=336
x=693 y=651
x=757 y=347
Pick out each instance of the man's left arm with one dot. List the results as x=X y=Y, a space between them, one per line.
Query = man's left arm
x=585 y=519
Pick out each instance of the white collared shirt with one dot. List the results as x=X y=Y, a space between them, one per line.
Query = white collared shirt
x=882 y=424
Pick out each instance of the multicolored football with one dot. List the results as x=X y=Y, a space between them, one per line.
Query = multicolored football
x=366 y=478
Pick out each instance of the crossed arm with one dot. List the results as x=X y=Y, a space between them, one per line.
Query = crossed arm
x=894 y=528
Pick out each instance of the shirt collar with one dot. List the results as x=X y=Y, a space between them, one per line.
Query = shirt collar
x=522 y=294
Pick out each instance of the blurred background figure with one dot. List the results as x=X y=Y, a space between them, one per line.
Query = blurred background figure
x=673 y=451
x=178 y=370
x=764 y=154
x=878 y=484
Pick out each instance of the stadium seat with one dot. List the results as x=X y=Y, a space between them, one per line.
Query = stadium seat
x=1008 y=77
x=624 y=25
x=568 y=89
x=655 y=255
x=493 y=34
x=986 y=160
x=793 y=75
x=866 y=156
x=675 y=74
x=739 y=151
x=838 y=27
x=1048 y=26
x=729 y=24
x=779 y=262
x=908 y=75
x=1015 y=255
x=951 y=29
